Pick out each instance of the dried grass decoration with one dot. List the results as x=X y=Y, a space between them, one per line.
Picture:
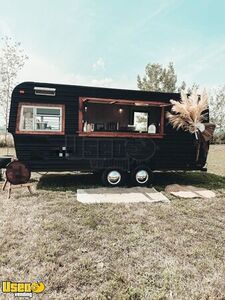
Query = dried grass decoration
x=190 y=114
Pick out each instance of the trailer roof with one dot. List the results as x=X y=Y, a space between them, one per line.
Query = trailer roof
x=91 y=91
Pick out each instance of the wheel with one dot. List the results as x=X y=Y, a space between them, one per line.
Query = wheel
x=17 y=173
x=141 y=176
x=113 y=177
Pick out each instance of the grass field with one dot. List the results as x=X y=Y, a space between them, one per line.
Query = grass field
x=216 y=159
x=103 y=251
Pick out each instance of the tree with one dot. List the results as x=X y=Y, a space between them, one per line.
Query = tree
x=182 y=86
x=158 y=78
x=189 y=90
x=217 y=108
x=12 y=60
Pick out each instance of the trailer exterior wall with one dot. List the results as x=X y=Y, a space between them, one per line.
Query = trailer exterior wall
x=176 y=150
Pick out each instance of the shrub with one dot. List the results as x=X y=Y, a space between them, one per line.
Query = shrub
x=8 y=142
x=218 y=138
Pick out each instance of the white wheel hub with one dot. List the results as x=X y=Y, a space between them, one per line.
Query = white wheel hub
x=142 y=176
x=114 y=177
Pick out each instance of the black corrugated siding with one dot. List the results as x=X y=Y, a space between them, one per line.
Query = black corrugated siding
x=176 y=150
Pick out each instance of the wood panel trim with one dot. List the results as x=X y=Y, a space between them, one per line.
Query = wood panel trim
x=80 y=131
x=81 y=114
x=162 y=120
x=39 y=132
x=120 y=134
x=123 y=101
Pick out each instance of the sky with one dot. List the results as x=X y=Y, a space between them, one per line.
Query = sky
x=108 y=43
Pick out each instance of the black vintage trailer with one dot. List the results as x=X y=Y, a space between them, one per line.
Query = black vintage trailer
x=120 y=133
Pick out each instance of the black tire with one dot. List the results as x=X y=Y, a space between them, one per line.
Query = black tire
x=113 y=177
x=141 y=176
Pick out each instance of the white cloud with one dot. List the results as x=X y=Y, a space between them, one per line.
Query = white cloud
x=40 y=69
x=99 y=64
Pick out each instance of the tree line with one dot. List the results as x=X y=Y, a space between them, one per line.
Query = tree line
x=156 y=78
x=164 y=79
x=12 y=60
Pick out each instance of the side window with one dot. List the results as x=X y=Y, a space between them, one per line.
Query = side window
x=141 y=121
x=35 y=118
x=48 y=119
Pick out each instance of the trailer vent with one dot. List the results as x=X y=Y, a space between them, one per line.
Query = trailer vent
x=44 y=91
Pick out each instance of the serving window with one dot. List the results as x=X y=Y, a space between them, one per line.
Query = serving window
x=40 y=118
x=122 y=118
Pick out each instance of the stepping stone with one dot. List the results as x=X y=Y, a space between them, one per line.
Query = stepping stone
x=120 y=195
x=189 y=191
x=185 y=194
x=206 y=194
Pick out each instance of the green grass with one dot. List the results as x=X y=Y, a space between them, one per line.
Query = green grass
x=200 y=179
x=216 y=159
x=104 y=251
x=121 y=252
